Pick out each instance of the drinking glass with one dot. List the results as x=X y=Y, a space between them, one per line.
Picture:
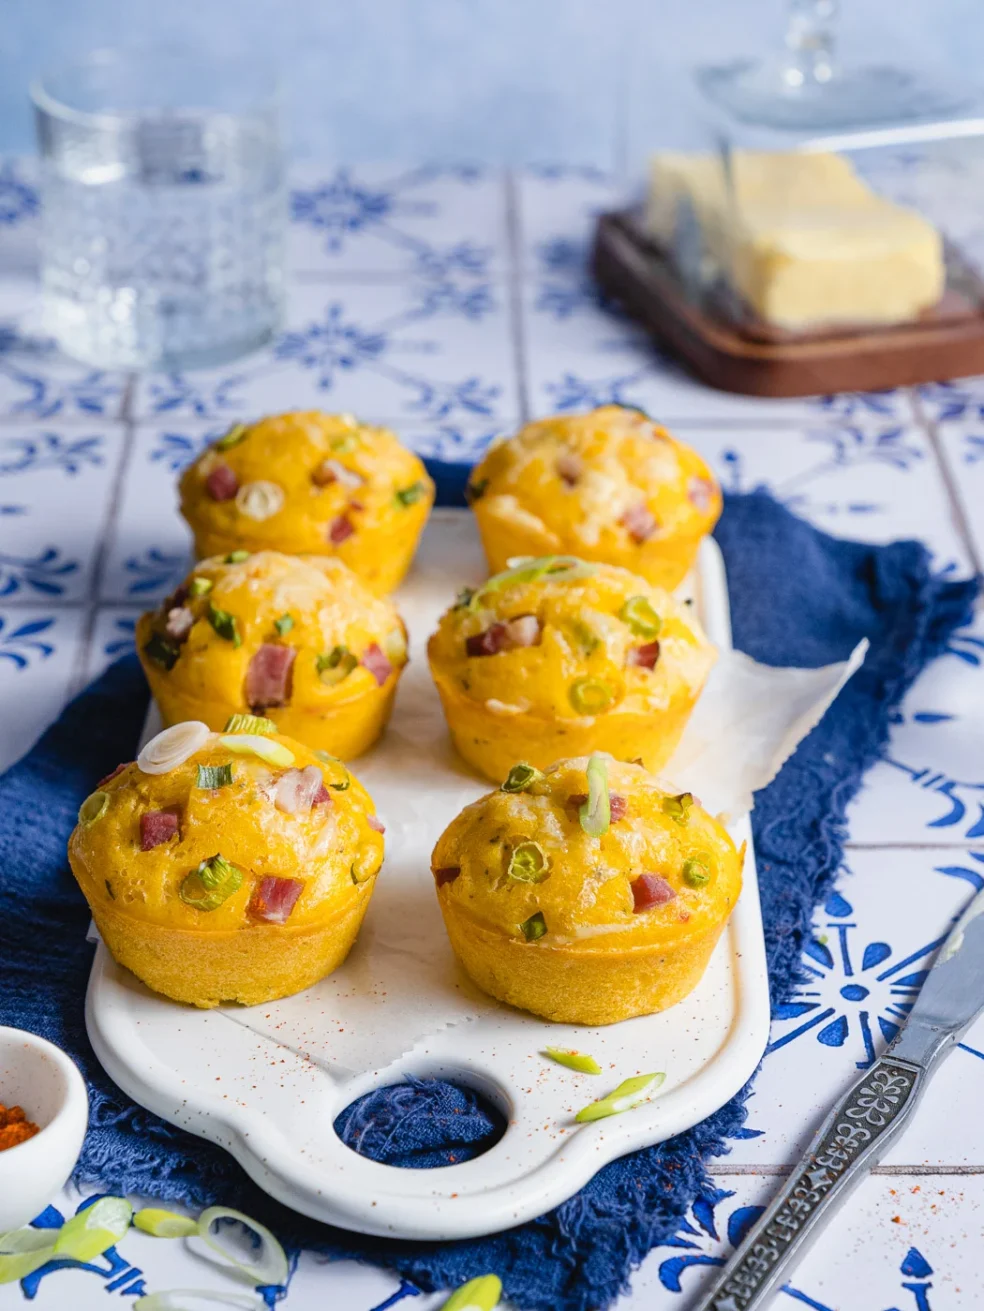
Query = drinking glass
x=164 y=207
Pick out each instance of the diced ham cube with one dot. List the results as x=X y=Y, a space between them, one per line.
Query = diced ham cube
x=340 y=529
x=222 y=484
x=446 y=875
x=270 y=676
x=297 y=789
x=109 y=777
x=274 y=898
x=700 y=492
x=157 y=826
x=487 y=643
x=644 y=657
x=616 y=804
x=179 y=622
x=376 y=824
x=333 y=471
x=322 y=797
x=639 y=522
x=375 y=660
x=650 y=890
x=569 y=468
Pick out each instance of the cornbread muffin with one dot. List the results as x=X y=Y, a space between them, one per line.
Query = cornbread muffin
x=311 y=484
x=557 y=657
x=586 y=894
x=298 y=639
x=610 y=485
x=228 y=867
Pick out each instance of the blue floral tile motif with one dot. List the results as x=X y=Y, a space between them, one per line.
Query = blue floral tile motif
x=21 y=644
x=961 y=800
x=155 y=571
x=122 y=641
x=50 y=450
x=853 y=987
x=453 y=443
x=175 y=450
x=19 y=199
x=44 y=385
x=699 y=1240
x=177 y=393
x=42 y=574
x=963 y=399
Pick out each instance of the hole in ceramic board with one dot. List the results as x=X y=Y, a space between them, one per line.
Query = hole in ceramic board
x=421 y=1124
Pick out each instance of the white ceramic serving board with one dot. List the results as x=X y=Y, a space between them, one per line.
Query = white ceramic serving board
x=267 y=1082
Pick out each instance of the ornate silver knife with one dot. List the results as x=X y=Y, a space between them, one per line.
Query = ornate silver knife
x=857 y=1132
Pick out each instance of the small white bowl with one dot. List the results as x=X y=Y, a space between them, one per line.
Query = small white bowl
x=38 y=1076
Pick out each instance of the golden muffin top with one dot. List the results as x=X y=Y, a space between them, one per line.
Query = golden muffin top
x=600 y=483
x=281 y=628
x=563 y=638
x=216 y=831
x=590 y=854
x=304 y=482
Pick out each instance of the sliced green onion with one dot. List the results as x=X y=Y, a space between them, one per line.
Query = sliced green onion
x=624 y=1097
x=481 y=1294
x=93 y=807
x=590 y=696
x=596 y=813
x=335 y=665
x=225 y=625
x=560 y=568
x=533 y=928
x=214 y=776
x=265 y=1262
x=584 y=637
x=363 y=867
x=528 y=863
x=252 y=744
x=464 y=598
x=237 y=557
x=90 y=1232
x=284 y=624
x=407 y=496
x=696 y=871
x=394 y=646
x=678 y=807
x=212 y=883
x=573 y=1060
x=161 y=651
x=233 y=437
x=164 y=1224
x=249 y=724
x=522 y=777
x=23 y=1251
x=476 y=490
x=199 y=586
x=344 y=443
x=338 y=784
x=195 y=1299
x=640 y=616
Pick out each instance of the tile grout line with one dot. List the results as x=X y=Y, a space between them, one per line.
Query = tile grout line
x=514 y=276
x=109 y=525
x=930 y=426
x=885 y=1171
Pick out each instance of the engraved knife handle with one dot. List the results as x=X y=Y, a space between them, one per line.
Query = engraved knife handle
x=851 y=1139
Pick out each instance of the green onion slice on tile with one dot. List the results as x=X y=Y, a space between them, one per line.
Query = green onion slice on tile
x=257 y=1253
x=481 y=1294
x=90 y=1232
x=157 y=1222
x=579 y=1061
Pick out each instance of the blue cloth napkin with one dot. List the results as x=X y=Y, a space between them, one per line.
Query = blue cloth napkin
x=798 y=598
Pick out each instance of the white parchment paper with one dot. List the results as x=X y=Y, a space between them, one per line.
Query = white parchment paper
x=401 y=981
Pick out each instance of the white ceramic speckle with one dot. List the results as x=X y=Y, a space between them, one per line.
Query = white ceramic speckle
x=38 y=1076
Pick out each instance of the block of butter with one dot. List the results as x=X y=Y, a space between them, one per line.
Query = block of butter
x=800 y=236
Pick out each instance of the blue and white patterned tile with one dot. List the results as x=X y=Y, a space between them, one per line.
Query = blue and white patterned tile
x=929 y=786
x=36 y=380
x=20 y=211
x=875 y=482
x=432 y=221
x=55 y=490
x=432 y=350
x=895 y=1243
x=558 y=208
x=963 y=449
x=150 y=548
x=581 y=353
x=112 y=636
x=873 y=939
x=39 y=651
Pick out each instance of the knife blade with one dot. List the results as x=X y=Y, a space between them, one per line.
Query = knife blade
x=859 y=1129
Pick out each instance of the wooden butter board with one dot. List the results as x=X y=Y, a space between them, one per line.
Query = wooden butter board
x=947 y=342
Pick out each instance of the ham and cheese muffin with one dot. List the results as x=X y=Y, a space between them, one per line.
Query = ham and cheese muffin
x=228 y=866
x=298 y=639
x=587 y=893
x=311 y=484
x=609 y=485
x=558 y=656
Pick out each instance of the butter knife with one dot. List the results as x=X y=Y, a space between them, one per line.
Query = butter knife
x=858 y=1131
